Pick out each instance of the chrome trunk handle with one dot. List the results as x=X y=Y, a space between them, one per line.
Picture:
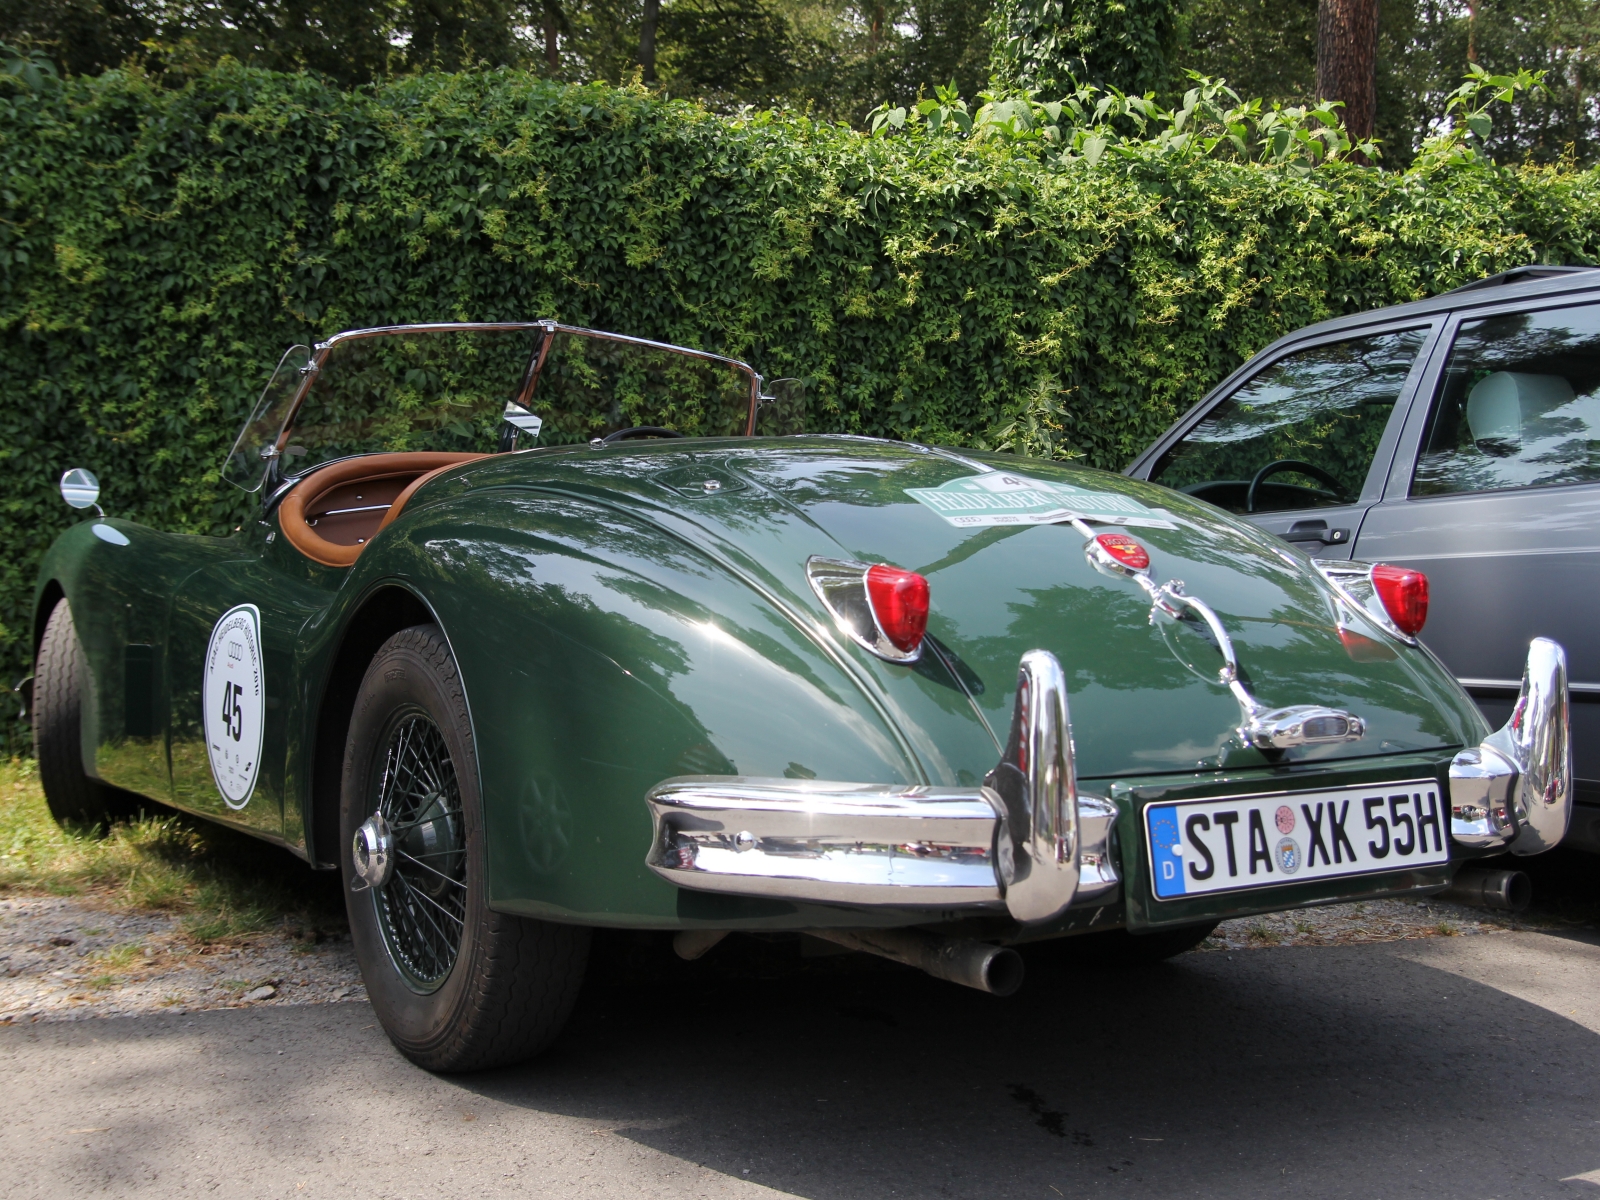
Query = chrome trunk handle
x=1262 y=727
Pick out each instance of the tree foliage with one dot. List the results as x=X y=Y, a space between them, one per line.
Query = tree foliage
x=349 y=41
x=835 y=57
x=1267 y=48
x=840 y=58
x=1051 y=46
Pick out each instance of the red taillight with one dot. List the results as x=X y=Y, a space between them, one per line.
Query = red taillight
x=1404 y=593
x=1125 y=550
x=900 y=602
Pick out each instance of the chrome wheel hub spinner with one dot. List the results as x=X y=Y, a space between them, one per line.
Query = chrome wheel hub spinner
x=373 y=852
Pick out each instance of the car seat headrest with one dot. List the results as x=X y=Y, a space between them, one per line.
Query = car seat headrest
x=1500 y=404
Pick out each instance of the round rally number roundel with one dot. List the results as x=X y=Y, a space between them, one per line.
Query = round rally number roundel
x=233 y=694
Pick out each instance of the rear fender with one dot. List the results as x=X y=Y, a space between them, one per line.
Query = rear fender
x=600 y=655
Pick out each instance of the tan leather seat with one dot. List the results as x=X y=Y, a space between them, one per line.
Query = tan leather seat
x=331 y=514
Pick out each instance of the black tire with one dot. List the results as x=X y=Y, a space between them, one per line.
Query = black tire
x=73 y=797
x=501 y=993
x=1118 y=947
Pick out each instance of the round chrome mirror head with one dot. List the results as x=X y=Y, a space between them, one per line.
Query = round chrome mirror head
x=373 y=852
x=80 y=488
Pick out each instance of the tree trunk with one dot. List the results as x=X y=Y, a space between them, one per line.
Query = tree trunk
x=647 y=40
x=552 y=35
x=1347 y=55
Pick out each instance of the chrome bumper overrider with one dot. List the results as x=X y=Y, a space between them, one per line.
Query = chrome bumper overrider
x=1514 y=789
x=1027 y=841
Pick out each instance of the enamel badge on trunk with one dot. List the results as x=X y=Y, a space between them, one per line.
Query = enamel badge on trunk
x=233 y=694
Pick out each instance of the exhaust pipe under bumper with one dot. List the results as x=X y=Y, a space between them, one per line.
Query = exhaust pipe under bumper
x=1503 y=891
x=993 y=969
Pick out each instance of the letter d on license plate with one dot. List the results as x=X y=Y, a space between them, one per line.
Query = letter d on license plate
x=1230 y=844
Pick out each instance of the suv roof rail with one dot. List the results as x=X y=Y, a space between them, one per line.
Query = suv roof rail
x=1519 y=275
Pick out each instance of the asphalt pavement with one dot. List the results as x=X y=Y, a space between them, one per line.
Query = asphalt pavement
x=1459 y=1067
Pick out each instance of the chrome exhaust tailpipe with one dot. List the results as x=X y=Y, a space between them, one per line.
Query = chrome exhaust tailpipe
x=992 y=969
x=1503 y=891
x=690 y=944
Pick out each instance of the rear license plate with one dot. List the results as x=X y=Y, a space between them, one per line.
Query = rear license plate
x=1230 y=844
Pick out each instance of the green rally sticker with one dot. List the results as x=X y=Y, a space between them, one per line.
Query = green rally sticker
x=1001 y=498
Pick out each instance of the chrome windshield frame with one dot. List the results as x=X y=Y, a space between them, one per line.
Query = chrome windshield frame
x=274 y=481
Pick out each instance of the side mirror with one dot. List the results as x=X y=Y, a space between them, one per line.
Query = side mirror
x=81 y=489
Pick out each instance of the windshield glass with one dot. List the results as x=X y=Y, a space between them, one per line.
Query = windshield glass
x=247 y=466
x=591 y=385
x=464 y=388
x=420 y=389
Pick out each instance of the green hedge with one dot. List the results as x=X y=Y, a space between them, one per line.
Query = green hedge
x=159 y=248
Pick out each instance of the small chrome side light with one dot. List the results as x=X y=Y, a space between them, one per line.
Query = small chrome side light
x=1301 y=725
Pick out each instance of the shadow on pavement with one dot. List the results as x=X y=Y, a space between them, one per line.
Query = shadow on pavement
x=1363 y=1071
x=1331 y=1071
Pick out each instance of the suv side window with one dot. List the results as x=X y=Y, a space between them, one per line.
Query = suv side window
x=1518 y=405
x=1300 y=433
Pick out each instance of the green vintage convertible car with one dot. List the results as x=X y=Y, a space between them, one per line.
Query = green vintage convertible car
x=538 y=629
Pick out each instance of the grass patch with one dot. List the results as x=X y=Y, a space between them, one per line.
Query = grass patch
x=1445 y=929
x=1264 y=934
x=221 y=883
x=120 y=958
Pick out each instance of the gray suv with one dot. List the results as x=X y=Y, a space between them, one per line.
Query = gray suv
x=1458 y=435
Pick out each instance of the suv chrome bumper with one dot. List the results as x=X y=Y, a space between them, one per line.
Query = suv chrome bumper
x=1514 y=789
x=1026 y=842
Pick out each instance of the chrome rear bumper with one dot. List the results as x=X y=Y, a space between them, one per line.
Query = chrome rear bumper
x=812 y=840
x=1026 y=842
x=1514 y=789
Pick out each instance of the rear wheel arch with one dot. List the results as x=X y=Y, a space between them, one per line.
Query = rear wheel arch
x=379 y=616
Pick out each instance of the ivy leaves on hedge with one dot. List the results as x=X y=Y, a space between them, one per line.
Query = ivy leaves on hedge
x=159 y=248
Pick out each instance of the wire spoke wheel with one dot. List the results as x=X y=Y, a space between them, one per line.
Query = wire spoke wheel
x=422 y=906
x=457 y=985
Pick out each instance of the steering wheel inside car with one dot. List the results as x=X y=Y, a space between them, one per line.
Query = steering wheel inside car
x=1303 y=468
x=639 y=431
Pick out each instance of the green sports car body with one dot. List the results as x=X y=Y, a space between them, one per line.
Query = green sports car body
x=803 y=682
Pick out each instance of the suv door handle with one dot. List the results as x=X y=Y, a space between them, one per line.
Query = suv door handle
x=1316 y=531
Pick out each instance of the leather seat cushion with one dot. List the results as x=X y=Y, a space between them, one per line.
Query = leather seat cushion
x=331 y=514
